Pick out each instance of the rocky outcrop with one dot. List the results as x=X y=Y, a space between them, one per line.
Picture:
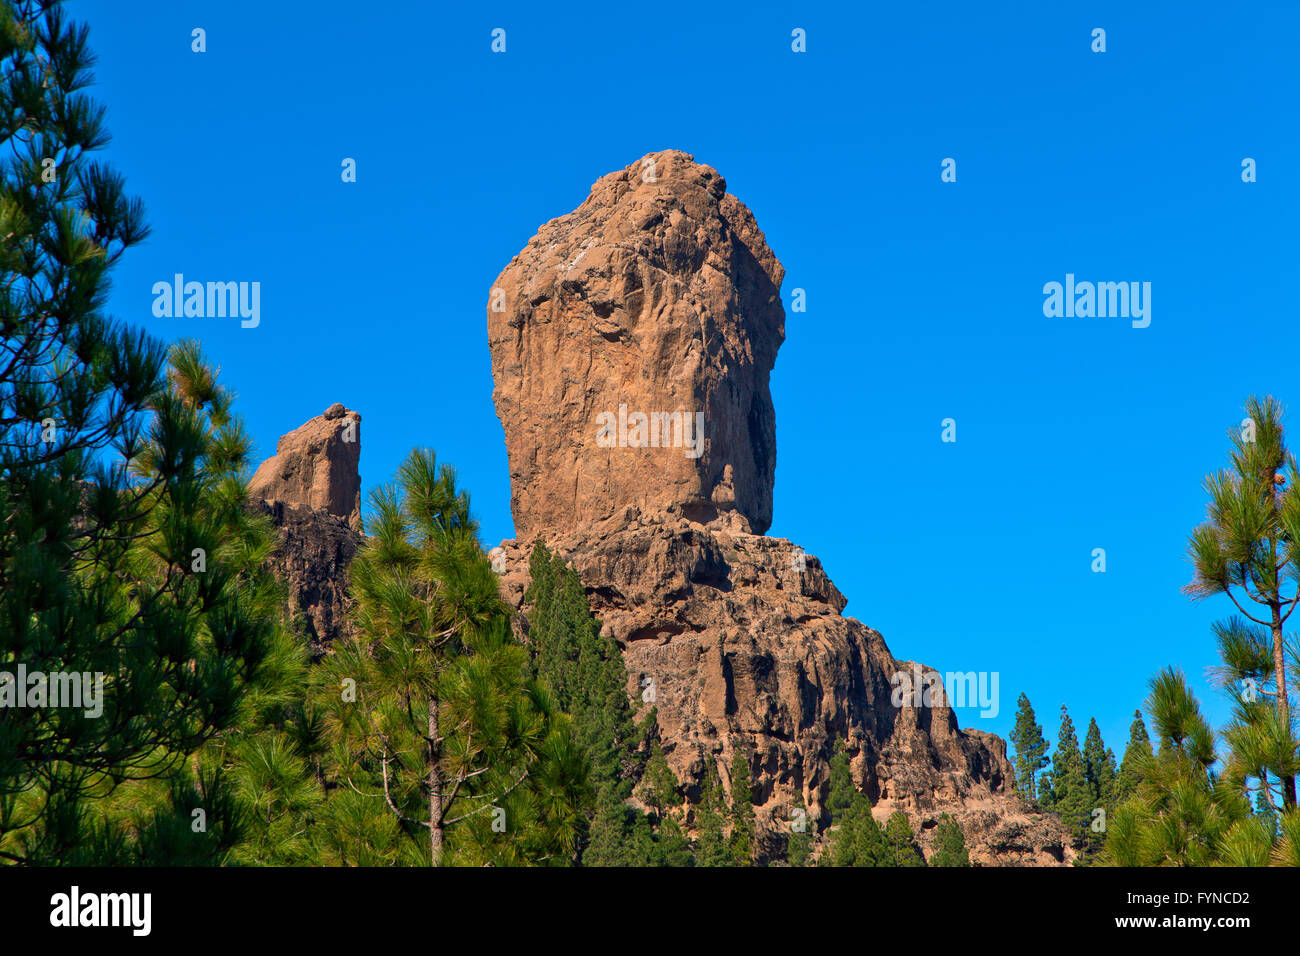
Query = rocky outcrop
x=311 y=490
x=311 y=563
x=659 y=293
x=317 y=466
x=646 y=319
x=740 y=643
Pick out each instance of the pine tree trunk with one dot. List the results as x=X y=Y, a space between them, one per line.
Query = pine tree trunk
x=435 y=786
x=1283 y=704
x=1279 y=660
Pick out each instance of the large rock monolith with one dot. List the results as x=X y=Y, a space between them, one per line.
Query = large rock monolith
x=659 y=297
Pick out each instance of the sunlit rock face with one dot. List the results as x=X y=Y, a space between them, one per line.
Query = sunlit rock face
x=659 y=296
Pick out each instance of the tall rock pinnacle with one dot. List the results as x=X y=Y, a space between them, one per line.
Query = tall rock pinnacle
x=659 y=297
x=648 y=318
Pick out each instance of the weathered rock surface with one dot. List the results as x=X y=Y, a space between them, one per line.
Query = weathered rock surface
x=312 y=562
x=745 y=651
x=658 y=295
x=317 y=466
x=311 y=490
x=663 y=295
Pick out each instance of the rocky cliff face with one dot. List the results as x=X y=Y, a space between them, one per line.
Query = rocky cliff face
x=659 y=295
x=311 y=489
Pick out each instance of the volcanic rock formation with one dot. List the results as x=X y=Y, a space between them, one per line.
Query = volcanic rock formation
x=652 y=306
x=317 y=466
x=311 y=489
x=659 y=294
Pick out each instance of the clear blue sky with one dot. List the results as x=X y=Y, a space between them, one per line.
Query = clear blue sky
x=924 y=298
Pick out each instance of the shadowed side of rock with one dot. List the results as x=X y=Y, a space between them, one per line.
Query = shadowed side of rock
x=311 y=563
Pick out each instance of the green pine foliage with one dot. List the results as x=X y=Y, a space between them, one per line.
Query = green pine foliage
x=673 y=847
x=950 y=844
x=1180 y=814
x=799 y=843
x=1101 y=775
x=1030 y=749
x=249 y=794
x=661 y=787
x=1099 y=766
x=160 y=586
x=742 y=812
x=435 y=718
x=902 y=842
x=1067 y=793
x=587 y=673
x=111 y=485
x=1189 y=804
x=1183 y=813
x=711 y=845
x=1136 y=754
x=1249 y=549
x=854 y=838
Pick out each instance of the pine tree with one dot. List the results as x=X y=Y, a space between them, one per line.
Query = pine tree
x=950 y=844
x=799 y=844
x=902 y=842
x=1136 y=754
x=711 y=848
x=98 y=554
x=251 y=784
x=1178 y=811
x=435 y=716
x=1267 y=813
x=1031 y=750
x=1259 y=759
x=587 y=672
x=661 y=784
x=1249 y=549
x=661 y=788
x=1180 y=815
x=1069 y=795
x=1098 y=766
x=662 y=795
x=742 y=812
x=1100 y=774
x=842 y=791
x=855 y=839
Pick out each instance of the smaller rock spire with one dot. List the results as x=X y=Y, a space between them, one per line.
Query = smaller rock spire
x=317 y=466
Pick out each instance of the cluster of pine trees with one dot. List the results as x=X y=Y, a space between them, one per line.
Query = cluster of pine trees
x=129 y=560
x=1081 y=785
x=1230 y=798
x=1198 y=797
